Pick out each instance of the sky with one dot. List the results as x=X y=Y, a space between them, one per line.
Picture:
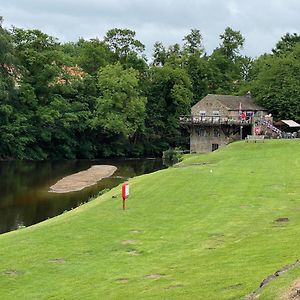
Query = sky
x=261 y=22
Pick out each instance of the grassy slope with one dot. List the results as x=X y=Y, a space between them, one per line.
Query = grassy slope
x=208 y=229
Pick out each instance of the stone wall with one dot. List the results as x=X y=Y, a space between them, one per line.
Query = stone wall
x=203 y=138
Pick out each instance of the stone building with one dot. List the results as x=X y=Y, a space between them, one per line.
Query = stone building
x=217 y=120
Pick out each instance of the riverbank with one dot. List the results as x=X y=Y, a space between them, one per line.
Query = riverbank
x=83 y=179
x=205 y=231
x=24 y=187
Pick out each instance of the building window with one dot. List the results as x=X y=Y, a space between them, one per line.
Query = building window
x=202 y=115
x=216 y=133
x=201 y=132
x=214 y=147
x=216 y=116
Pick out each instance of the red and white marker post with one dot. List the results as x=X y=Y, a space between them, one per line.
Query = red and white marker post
x=125 y=193
x=257 y=130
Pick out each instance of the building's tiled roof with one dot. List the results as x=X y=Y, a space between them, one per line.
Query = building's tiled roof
x=234 y=102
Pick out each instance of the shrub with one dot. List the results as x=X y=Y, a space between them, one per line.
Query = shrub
x=171 y=157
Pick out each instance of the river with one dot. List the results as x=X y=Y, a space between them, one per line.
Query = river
x=24 y=187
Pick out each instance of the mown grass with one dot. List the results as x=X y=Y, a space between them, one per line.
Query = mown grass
x=200 y=231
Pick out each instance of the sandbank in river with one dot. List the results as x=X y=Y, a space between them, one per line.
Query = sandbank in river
x=80 y=180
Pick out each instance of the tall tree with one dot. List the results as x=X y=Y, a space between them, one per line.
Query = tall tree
x=120 y=109
x=275 y=84
x=226 y=64
x=199 y=73
x=195 y=63
x=159 y=54
x=122 y=42
x=231 y=43
x=175 y=56
x=169 y=96
x=193 y=42
x=10 y=120
x=286 y=44
x=93 y=54
x=40 y=58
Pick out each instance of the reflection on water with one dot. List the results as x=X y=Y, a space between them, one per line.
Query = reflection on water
x=24 y=185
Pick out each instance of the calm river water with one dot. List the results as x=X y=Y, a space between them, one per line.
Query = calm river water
x=24 y=185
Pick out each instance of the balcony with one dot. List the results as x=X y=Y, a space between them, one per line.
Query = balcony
x=214 y=120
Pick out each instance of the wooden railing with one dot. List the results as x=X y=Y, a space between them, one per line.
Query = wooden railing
x=211 y=120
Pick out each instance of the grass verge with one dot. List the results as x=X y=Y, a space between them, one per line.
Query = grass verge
x=207 y=230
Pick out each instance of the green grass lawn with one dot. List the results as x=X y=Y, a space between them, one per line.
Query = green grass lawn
x=192 y=232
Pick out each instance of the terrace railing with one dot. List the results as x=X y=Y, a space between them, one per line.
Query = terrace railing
x=214 y=120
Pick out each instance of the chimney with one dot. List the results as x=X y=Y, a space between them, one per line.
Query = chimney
x=248 y=95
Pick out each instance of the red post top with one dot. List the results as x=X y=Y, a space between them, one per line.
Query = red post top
x=257 y=130
x=125 y=190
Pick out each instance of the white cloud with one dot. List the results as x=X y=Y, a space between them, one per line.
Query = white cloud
x=233 y=8
x=261 y=22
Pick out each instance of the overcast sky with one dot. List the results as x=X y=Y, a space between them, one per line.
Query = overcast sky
x=262 y=22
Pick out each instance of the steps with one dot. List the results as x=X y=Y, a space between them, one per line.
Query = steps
x=270 y=126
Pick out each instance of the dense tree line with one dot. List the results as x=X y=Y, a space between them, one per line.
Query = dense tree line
x=101 y=98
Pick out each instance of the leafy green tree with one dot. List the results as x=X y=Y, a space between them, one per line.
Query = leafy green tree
x=275 y=84
x=40 y=58
x=120 y=109
x=122 y=42
x=231 y=43
x=286 y=44
x=175 y=56
x=228 y=68
x=159 y=54
x=17 y=104
x=8 y=97
x=199 y=73
x=169 y=96
x=6 y=47
x=193 y=43
x=93 y=54
x=194 y=61
x=126 y=49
